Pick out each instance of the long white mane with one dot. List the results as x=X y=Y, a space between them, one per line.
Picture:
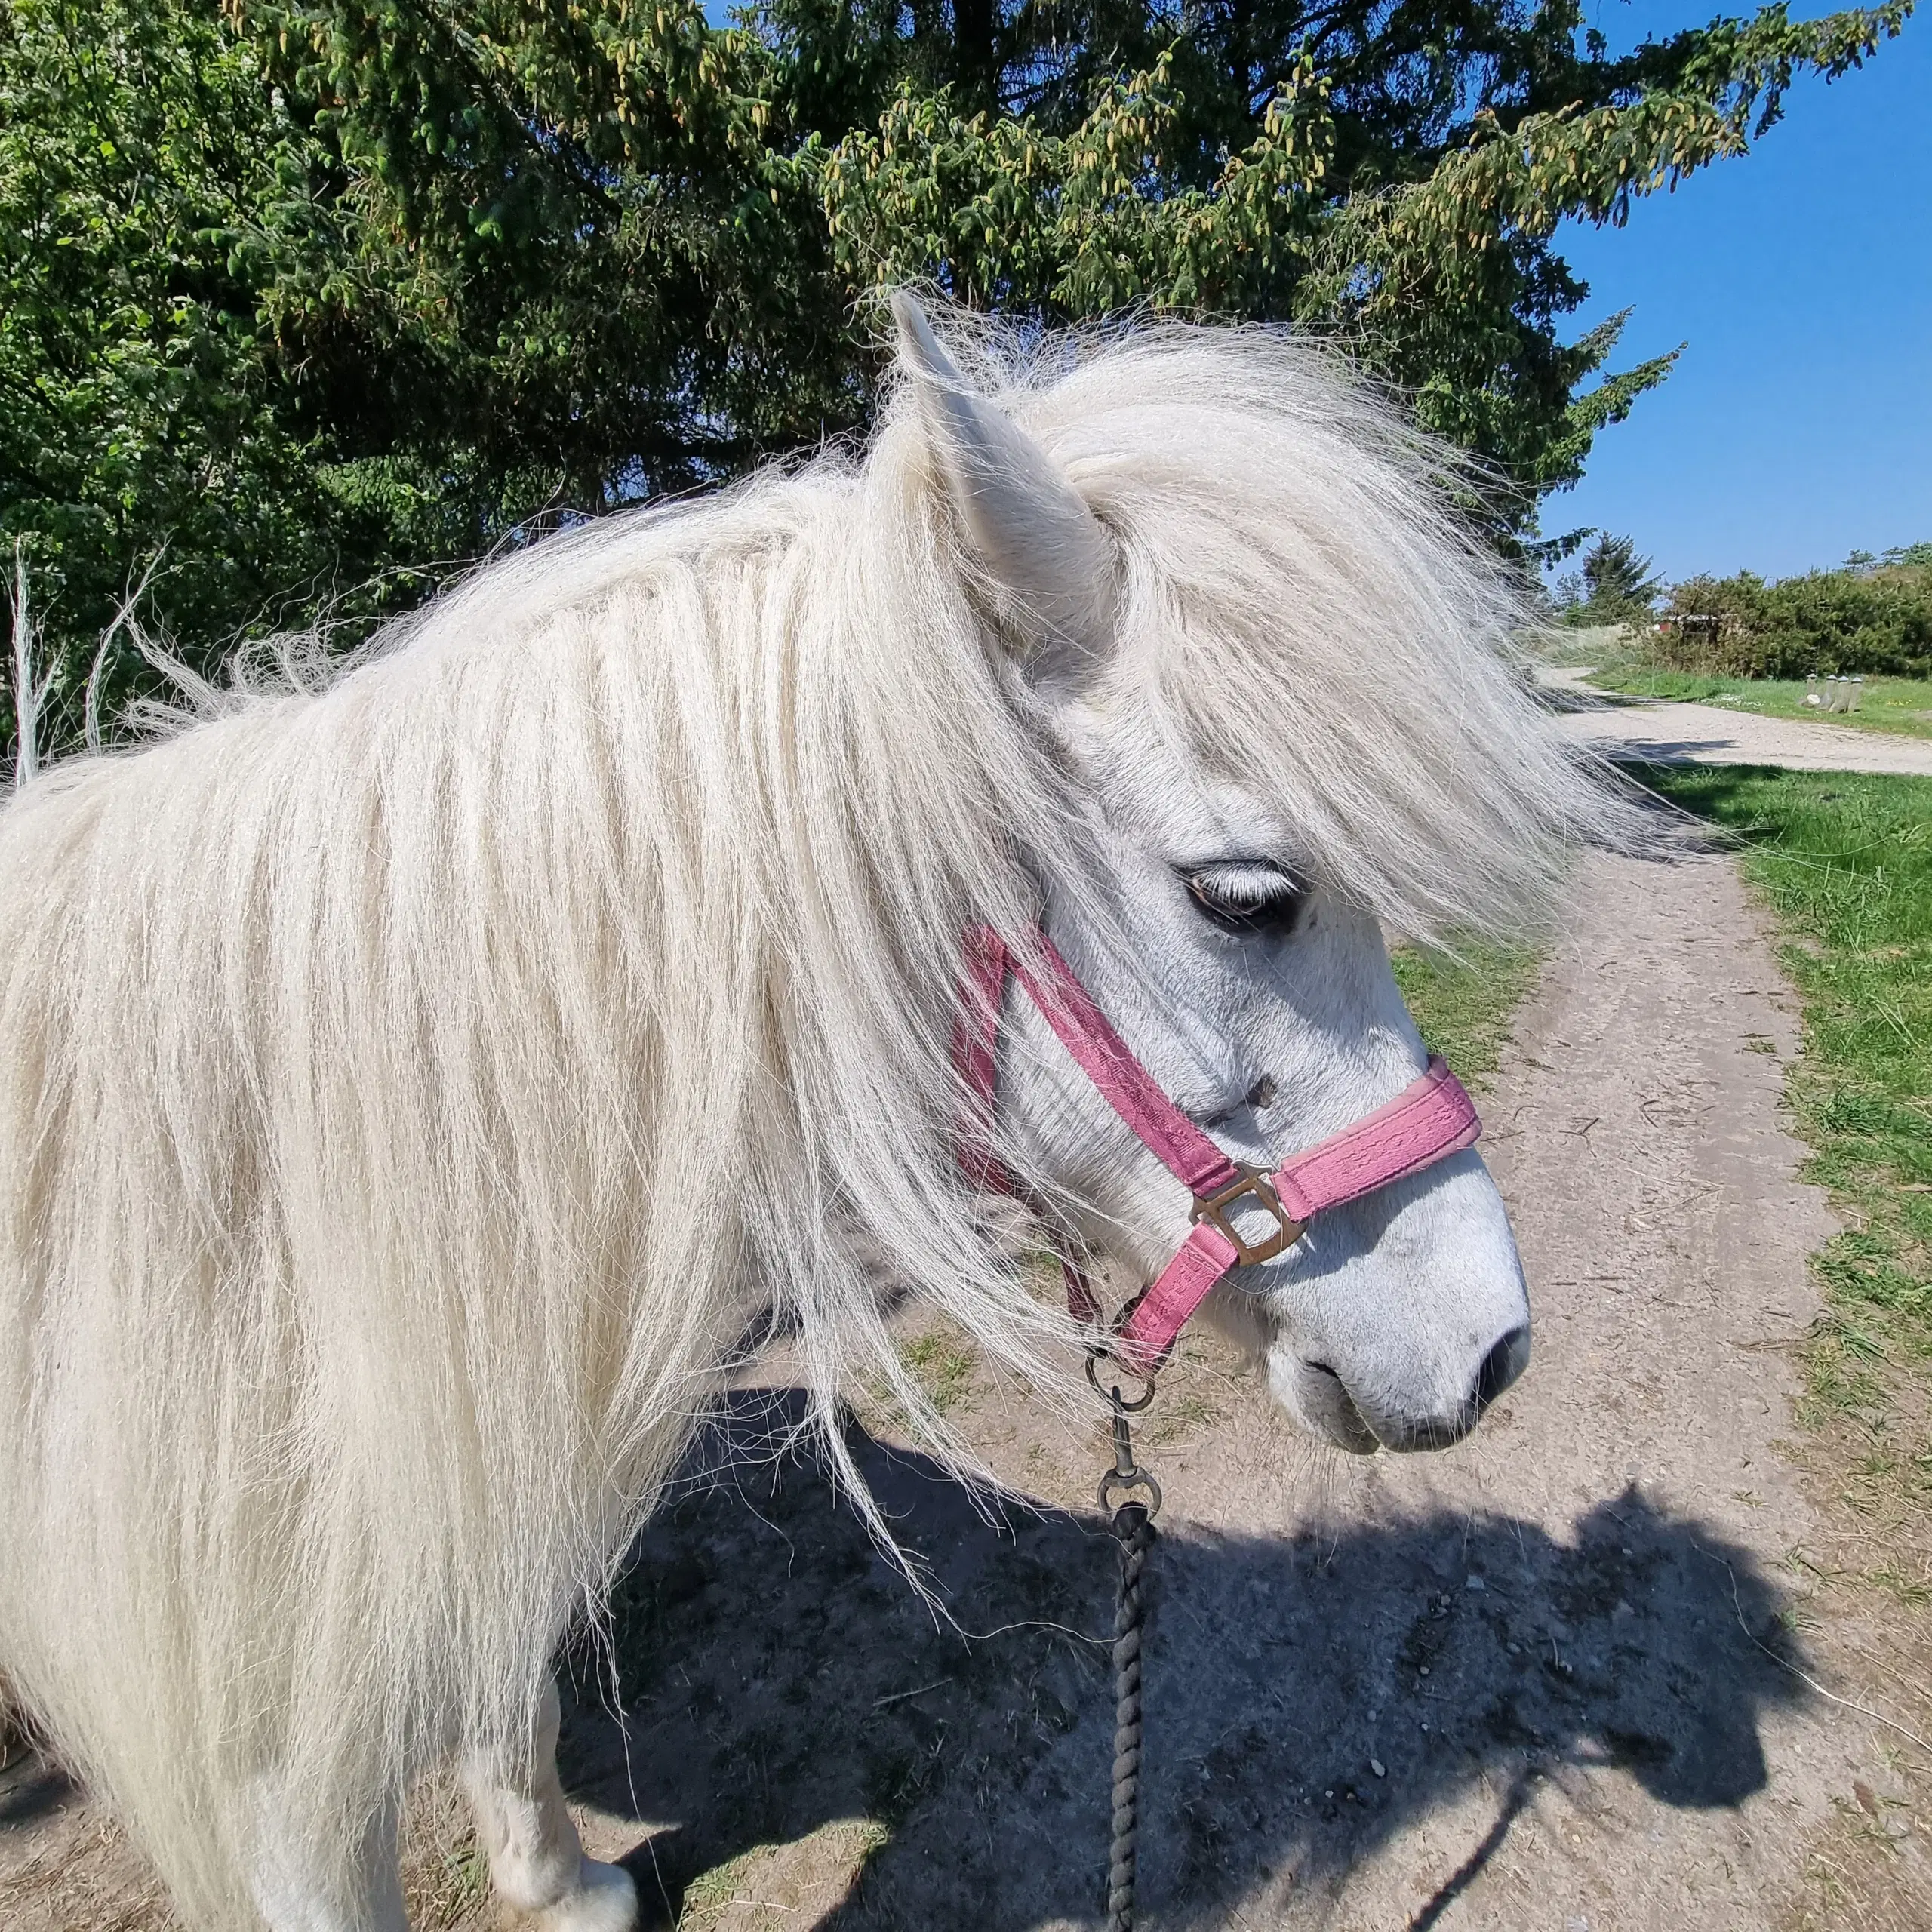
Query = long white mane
x=413 y=1089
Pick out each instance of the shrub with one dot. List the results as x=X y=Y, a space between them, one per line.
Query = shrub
x=1826 y=622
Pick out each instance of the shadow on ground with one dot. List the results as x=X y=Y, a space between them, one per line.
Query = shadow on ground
x=776 y=1673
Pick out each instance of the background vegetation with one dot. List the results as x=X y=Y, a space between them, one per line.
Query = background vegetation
x=302 y=300
x=1873 y=616
x=1465 y=1004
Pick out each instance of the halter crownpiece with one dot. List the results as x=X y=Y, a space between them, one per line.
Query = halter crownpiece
x=1430 y=1119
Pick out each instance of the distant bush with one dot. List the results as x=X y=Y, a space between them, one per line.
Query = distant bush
x=1871 y=616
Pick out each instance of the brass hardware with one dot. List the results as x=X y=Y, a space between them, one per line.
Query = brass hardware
x=1253 y=1184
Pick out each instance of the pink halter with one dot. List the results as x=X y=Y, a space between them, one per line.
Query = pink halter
x=1430 y=1119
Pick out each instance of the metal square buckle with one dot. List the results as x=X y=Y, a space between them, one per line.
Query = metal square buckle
x=1214 y=1208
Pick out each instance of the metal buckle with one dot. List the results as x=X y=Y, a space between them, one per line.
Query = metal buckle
x=1254 y=1181
x=1096 y=1354
x=1127 y=1475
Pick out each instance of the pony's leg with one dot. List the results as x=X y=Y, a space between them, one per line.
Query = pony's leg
x=292 y=1896
x=536 y=1859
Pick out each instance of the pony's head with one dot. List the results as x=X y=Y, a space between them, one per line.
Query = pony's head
x=1278 y=680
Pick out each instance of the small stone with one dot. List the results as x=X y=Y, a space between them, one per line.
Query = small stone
x=1515 y=1650
x=1475 y=1583
x=1328 y=1793
x=1376 y=1765
x=1898 y=1828
x=1422 y=1670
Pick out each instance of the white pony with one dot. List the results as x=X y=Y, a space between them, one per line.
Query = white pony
x=413 y=1089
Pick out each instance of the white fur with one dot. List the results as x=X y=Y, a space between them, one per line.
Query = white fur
x=413 y=1086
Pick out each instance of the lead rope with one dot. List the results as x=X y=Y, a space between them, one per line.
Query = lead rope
x=1134 y=1529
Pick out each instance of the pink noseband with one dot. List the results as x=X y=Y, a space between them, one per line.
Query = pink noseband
x=1430 y=1119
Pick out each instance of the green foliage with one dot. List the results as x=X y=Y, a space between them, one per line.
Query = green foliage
x=1007 y=213
x=1465 y=1005
x=137 y=147
x=1874 y=621
x=1392 y=214
x=1901 y=557
x=308 y=292
x=582 y=245
x=1614 y=586
x=162 y=207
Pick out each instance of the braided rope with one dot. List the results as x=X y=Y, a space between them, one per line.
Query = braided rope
x=1135 y=1529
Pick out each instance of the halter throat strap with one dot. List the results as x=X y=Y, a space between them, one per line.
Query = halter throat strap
x=1430 y=1119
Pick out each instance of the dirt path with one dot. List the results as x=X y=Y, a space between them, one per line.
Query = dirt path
x=1660 y=731
x=1546 y=1680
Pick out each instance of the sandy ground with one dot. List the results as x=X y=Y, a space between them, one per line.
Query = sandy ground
x=1655 y=731
x=1550 y=1679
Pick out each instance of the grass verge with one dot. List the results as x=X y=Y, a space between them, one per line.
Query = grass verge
x=1901 y=706
x=1845 y=860
x=1465 y=1006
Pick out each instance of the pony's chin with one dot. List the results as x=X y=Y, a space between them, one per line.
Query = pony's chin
x=1319 y=1401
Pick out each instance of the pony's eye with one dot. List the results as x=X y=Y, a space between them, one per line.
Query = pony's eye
x=1248 y=896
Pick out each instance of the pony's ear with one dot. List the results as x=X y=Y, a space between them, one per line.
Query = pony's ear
x=1039 y=546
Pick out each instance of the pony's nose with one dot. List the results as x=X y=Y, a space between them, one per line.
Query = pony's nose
x=1505 y=1361
x=1500 y=1367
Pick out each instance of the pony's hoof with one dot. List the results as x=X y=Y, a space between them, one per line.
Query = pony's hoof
x=605 y=1900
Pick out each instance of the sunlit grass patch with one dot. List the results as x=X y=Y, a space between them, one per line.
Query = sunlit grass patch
x=1845 y=860
x=1465 y=1005
x=774 y=1885
x=1900 y=705
x=943 y=1365
x=943 y=1362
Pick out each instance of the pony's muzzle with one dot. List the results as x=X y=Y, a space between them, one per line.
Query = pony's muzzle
x=1504 y=1363
x=1323 y=1402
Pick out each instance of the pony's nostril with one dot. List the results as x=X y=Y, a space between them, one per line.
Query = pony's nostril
x=1500 y=1367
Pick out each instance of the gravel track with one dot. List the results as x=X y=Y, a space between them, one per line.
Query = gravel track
x=1660 y=731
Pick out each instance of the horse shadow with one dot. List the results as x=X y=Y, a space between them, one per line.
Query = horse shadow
x=1305 y=1698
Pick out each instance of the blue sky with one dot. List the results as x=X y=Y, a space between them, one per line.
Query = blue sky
x=1798 y=425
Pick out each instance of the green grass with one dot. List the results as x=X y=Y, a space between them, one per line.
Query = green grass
x=1465 y=1006
x=1845 y=860
x=1900 y=705
x=942 y=1363
x=842 y=1849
